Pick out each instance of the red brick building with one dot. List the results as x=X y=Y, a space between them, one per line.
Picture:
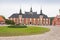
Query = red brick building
x=56 y=20
x=2 y=21
x=30 y=18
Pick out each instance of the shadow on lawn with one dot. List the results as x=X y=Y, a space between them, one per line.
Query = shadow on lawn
x=17 y=26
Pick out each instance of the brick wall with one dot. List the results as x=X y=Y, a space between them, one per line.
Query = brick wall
x=33 y=21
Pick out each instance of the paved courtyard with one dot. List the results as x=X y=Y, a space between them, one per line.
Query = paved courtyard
x=54 y=34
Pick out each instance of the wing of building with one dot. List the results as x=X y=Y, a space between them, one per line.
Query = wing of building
x=30 y=18
x=56 y=20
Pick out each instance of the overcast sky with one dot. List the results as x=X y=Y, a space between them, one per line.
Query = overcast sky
x=49 y=7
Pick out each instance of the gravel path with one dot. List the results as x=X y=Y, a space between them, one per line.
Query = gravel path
x=54 y=34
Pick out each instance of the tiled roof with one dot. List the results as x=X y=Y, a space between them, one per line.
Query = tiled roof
x=44 y=16
x=29 y=15
x=16 y=15
x=1 y=19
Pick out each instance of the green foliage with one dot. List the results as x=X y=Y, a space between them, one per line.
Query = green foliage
x=17 y=26
x=51 y=19
x=3 y=17
x=9 y=22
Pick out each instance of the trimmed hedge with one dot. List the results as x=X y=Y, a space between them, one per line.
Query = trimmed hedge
x=17 y=26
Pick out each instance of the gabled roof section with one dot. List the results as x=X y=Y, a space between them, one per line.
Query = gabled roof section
x=41 y=13
x=44 y=16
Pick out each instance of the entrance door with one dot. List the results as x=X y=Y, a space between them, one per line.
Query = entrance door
x=30 y=22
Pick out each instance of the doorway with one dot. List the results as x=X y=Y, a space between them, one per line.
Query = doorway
x=30 y=22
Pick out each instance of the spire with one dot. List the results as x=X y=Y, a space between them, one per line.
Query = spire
x=20 y=12
x=41 y=11
x=31 y=9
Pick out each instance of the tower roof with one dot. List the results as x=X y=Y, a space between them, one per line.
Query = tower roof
x=31 y=9
x=41 y=12
x=20 y=12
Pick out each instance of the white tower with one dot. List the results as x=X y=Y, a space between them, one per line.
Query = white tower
x=20 y=17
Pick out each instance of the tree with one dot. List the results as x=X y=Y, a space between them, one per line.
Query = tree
x=9 y=22
x=51 y=19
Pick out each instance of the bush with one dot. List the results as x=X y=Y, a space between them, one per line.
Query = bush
x=51 y=19
x=17 y=26
x=9 y=22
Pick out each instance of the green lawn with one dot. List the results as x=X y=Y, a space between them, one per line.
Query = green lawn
x=7 y=31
